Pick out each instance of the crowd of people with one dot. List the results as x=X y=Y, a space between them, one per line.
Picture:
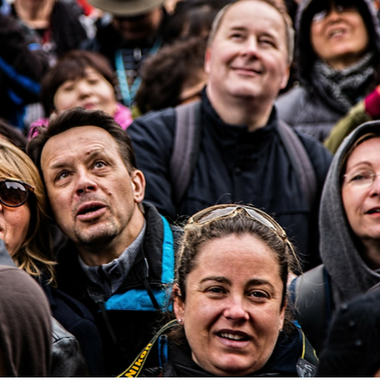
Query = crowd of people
x=189 y=188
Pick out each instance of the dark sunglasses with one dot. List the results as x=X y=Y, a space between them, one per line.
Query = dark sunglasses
x=14 y=193
x=340 y=7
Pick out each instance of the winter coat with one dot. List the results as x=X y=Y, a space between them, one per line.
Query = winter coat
x=309 y=106
x=233 y=166
x=346 y=273
x=25 y=325
x=70 y=320
x=129 y=313
x=21 y=71
x=284 y=362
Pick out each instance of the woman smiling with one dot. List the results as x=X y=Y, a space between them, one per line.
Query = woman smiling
x=230 y=299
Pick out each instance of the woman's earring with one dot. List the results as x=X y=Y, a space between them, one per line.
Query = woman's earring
x=179 y=320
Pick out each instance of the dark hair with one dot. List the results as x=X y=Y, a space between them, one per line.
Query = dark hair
x=80 y=117
x=72 y=66
x=193 y=18
x=13 y=135
x=164 y=74
x=238 y=223
x=305 y=52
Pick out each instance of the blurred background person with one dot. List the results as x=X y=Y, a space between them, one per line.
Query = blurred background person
x=21 y=70
x=25 y=326
x=352 y=347
x=173 y=76
x=338 y=57
x=192 y=18
x=81 y=79
x=129 y=32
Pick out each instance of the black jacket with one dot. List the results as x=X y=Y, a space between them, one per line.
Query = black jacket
x=133 y=318
x=284 y=361
x=307 y=106
x=21 y=71
x=233 y=166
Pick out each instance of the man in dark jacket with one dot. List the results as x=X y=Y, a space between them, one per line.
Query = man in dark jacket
x=241 y=157
x=119 y=258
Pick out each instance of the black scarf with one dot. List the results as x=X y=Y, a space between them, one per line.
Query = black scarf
x=342 y=89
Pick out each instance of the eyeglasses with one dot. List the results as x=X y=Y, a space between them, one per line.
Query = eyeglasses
x=340 y=7
x=14 y=193
x=361 y=179
x=220 y=211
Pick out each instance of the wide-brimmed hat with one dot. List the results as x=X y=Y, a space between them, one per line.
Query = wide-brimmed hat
x=126 y=7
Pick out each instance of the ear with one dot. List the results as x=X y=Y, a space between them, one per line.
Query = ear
x=285 y=78
x=207 y=60
x=138 y=185
x=178 y=305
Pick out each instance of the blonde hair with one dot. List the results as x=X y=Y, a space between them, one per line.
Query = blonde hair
x=35 y=255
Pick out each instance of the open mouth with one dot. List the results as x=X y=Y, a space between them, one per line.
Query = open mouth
x=90 y=210
x=373 y=211
x=234 y=337
x=337 y=33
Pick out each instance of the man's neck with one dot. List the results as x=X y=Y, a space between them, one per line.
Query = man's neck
x=240 y=111
x=101 y=253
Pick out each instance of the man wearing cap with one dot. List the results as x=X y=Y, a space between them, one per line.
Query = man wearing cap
x=134 y=32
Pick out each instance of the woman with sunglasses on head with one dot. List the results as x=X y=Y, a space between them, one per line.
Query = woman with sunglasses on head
x=338 y=60
x=230 y=300
x=349 y=229
x=25 y=238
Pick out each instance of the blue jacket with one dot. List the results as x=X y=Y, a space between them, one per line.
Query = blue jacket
x=127 y=319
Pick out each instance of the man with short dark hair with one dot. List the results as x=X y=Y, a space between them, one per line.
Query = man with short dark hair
x=119 y=258
x=241 y=156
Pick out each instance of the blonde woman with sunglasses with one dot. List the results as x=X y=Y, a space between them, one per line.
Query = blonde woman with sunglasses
x=230 y=300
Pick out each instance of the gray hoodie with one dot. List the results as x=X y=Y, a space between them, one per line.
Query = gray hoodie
x=350 y=276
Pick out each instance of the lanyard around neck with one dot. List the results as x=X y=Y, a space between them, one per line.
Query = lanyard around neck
x=128 y=93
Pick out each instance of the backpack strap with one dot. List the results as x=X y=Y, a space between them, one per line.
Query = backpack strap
x=185 y=148
x=137 y=365
x=310 y=293
x=300 y=161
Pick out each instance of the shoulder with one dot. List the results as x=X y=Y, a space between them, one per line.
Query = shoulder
x=319 y=155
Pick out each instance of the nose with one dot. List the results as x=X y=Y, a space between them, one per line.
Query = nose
x=334 y=13
x=85 y=182
x=375 y=188
x=84 y=89
x=251 y=46
x=235 y=310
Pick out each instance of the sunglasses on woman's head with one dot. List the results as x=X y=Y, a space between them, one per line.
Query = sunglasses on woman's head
x=14 y=193
x=218 y=212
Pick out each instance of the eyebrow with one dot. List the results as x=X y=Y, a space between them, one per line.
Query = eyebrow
x=61 y=164
x=224 y=280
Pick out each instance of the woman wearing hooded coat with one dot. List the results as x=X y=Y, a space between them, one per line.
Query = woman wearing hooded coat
x=337 y=58
x=349 y=227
